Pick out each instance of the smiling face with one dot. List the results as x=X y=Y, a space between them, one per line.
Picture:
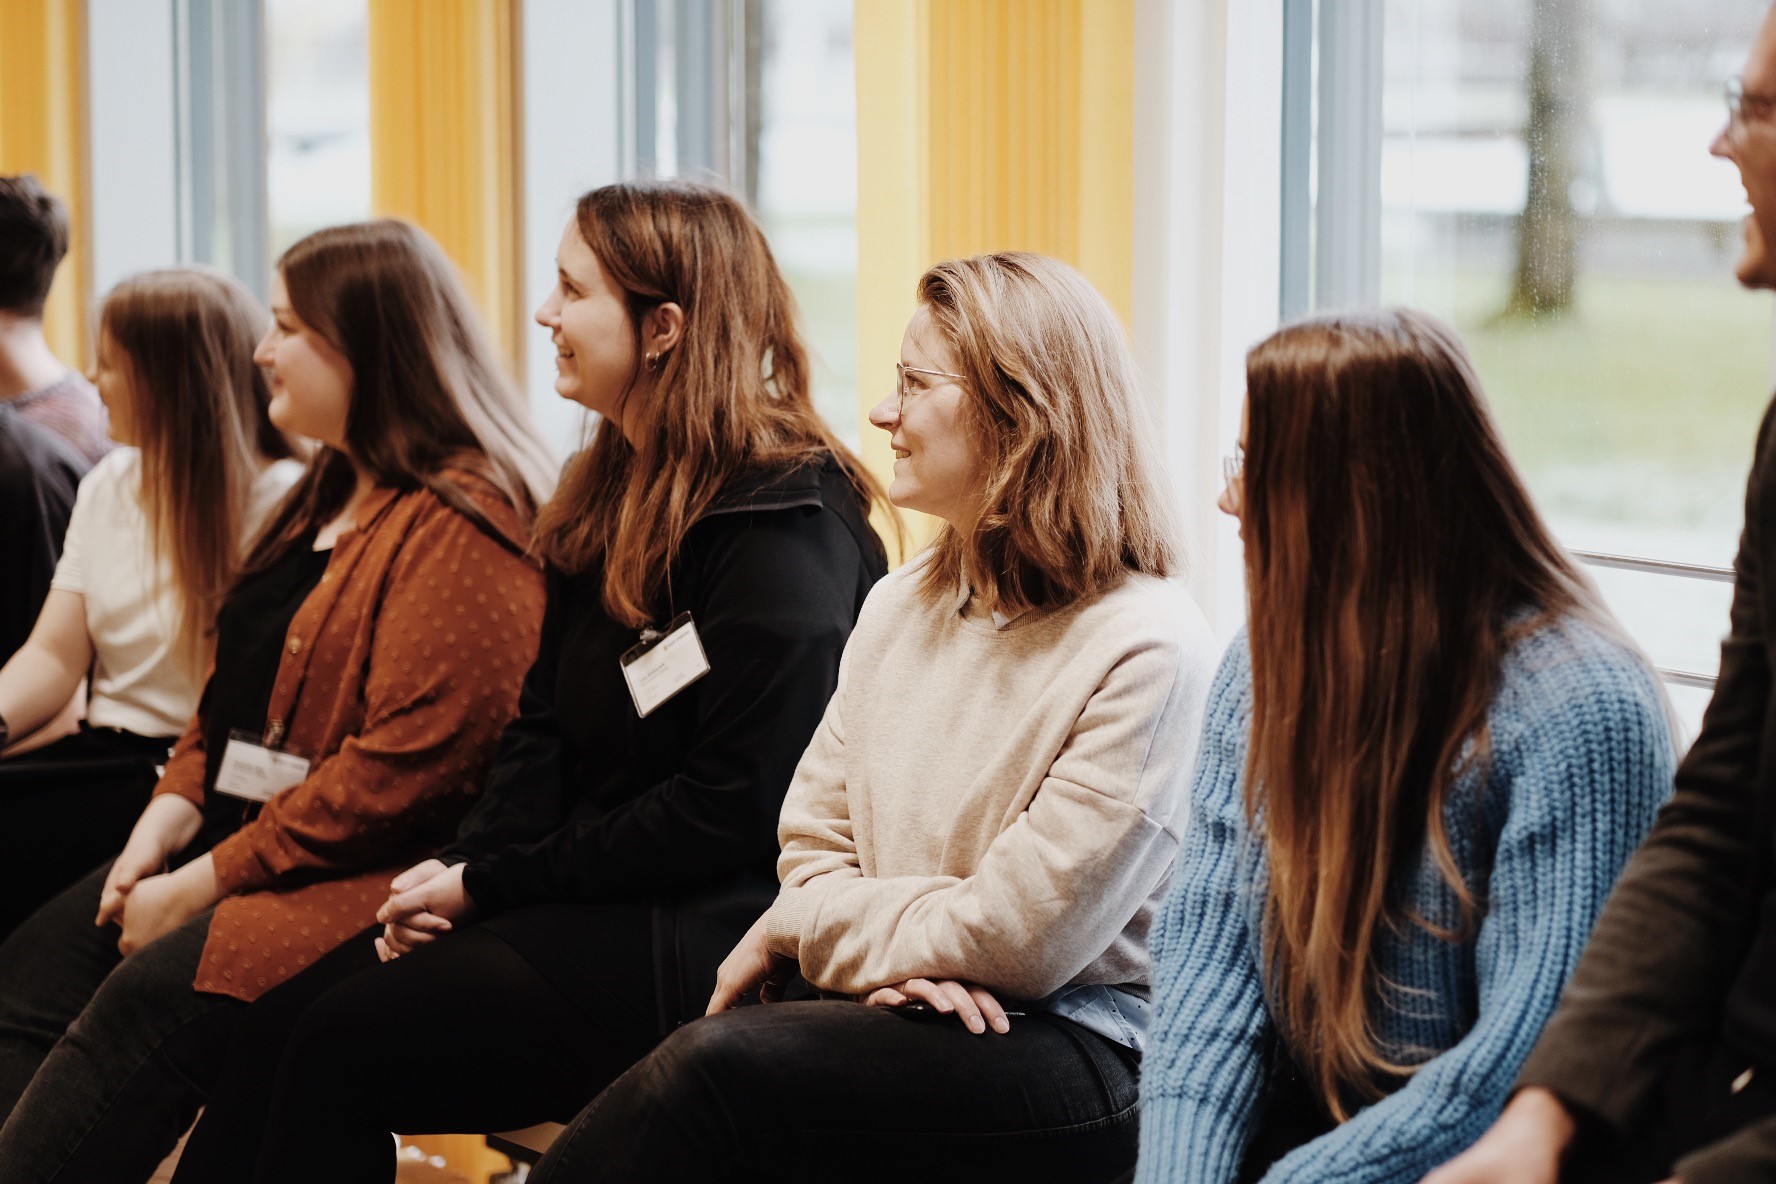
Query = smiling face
x=311 y=381
x=1753 y=151
x=587 y=316
x=937 y=467
x=111 y=375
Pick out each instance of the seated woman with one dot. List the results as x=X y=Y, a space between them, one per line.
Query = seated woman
x=366 y=661
x=708 y=555
x=977 y=836
x=1421 y=771
x=159 y=528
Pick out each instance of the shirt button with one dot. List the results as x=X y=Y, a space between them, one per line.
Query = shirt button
x=295 y=645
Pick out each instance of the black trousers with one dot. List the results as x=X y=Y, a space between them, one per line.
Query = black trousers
x=103 y=1059
x=69 y=807
x=740 y=1096
x=462 y=1035
x=1697 y=1105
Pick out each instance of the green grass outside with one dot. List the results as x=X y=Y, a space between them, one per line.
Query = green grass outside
x=1640 y=405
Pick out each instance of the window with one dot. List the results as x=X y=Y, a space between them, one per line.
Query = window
x=803 y=168
x=318 y=112
x=760 y=94
x=1537 y=173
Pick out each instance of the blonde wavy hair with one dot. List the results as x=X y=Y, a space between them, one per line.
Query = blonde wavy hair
x=1074 y=499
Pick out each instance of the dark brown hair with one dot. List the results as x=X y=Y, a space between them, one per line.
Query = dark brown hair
x=1392 y=557
x=428 y=391
x=33 y=240
x=1074 y=499
x=731 y=398
x=198 y=404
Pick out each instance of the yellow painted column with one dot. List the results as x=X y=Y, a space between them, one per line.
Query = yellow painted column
x=987 y=125
x=444 y=140
x=43 y=131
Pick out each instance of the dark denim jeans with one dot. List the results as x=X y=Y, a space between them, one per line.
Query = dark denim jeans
x=867 y=1093
x=104 y=1060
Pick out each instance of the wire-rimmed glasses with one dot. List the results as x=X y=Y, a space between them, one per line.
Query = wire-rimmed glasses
x=1742 y=106
x=901 y=386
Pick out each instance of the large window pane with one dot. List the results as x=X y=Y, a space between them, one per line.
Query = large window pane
x=1545 y=185
x=1628 y=368
x=318 y=108
x=806 y=185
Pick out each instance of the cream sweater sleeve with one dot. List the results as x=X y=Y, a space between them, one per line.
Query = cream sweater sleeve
x=814 y=829
x=1055 y=886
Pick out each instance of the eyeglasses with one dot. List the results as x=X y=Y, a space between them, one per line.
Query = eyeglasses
x=902 y=386
x=1742 y=107
x=1233 y=472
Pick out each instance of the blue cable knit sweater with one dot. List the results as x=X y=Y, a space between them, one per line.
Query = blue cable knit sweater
x=1581 y=758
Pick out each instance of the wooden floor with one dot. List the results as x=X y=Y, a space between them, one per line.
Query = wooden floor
x=466 y=1160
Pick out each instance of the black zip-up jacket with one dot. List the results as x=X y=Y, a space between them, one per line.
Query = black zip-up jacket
x=589 y=803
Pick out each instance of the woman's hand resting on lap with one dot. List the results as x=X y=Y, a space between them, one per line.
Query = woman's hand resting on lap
x=425 y=901
x=974 y=1006
x=167 y=824
x=750 y=966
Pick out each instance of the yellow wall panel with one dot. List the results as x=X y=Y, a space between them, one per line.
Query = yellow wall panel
x=42 y=131
x=987 y=125
x=444 y=143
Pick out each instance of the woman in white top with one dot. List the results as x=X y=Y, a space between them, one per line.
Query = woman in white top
x=985 y=819
x=157 y=530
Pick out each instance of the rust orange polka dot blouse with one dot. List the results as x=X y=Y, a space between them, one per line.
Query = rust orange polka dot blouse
x=398 y=674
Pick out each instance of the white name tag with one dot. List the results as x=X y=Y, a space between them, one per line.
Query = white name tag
x=664 y=664
x=256 y=773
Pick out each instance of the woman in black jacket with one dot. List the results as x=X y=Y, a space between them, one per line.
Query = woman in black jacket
x=708 y=554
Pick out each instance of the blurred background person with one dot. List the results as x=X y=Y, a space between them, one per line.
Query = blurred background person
x=33 y=241
x=367 y=657
x=157 y=535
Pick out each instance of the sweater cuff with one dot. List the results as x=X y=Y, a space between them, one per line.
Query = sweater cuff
x=786 y=921
x=238 y=867
x=1186 y=1140
x=481 y=885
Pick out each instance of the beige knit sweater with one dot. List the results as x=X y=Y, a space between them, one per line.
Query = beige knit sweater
x=994 y=802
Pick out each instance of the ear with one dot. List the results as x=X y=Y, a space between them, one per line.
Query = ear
x=662 y=328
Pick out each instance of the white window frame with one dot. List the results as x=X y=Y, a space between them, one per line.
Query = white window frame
x=1345 y=268
x=1208 y=248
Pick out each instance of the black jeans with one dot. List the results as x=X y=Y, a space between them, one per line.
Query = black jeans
x=872 y=1094
x=462 y=1035
x=69 y=805
x=103 y=1059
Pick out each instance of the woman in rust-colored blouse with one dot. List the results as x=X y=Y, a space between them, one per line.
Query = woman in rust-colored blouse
x=367 y=661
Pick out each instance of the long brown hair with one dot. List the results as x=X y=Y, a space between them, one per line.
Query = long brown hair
x=732 y=397
x=1074 y=499
x=1392 y=557
x=428 y=390
x=198 y=403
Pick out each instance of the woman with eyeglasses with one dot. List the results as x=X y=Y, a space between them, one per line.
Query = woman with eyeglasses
x=1424 y=764
x=707 y=556
x=986 y=817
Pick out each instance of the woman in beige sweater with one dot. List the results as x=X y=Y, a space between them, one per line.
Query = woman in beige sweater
x=975 y=840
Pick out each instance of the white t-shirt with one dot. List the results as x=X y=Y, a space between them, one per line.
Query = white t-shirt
x=143 y=680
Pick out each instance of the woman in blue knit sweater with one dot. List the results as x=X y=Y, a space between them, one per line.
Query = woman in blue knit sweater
x=1421 y=770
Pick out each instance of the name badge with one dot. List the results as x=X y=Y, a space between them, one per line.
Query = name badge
x=665 y=663
x=255 y=773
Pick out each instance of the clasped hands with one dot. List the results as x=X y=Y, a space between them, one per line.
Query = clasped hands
x=754 y=966
x=425 y=902
x=146 y=902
